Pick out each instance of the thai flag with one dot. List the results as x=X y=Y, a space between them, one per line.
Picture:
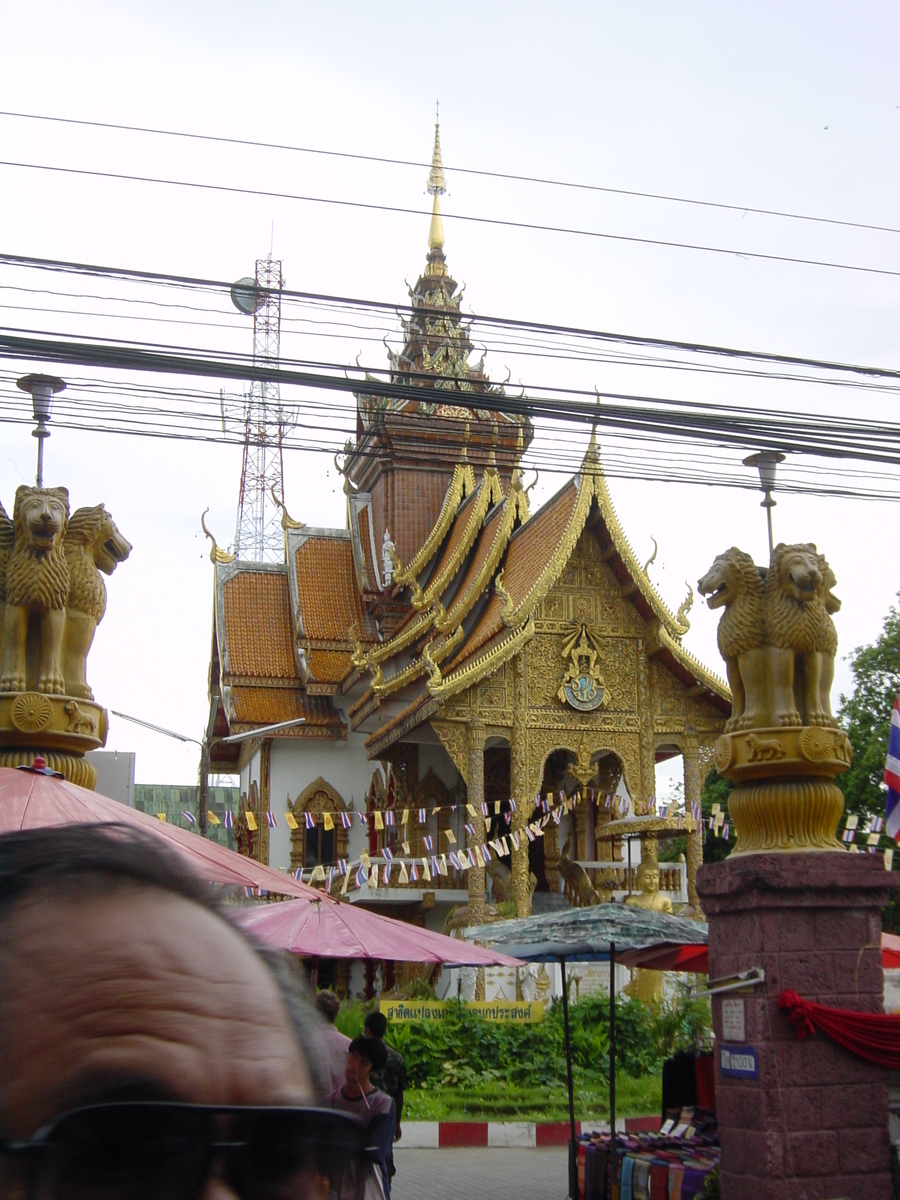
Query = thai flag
x=389 y=817
x=429 y=842
x=270 y=820
x=229 y=819
x=345 y=820
x=342 y=866
x=515 y=839
x=309 y=820
x=485 y=811
x=470 y=830
x=363 y=820
x=454 y=858
x=189 y=817
x=486 y=853
x=360 y=876
x=848 y=835
x=421 y=816
x=697 y=812
x=413 y=872
x=876 y=825
x=892 y=777
x=388 y=856
x=512 y=805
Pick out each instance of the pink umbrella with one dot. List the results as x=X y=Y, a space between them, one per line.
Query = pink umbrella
x=31 y=800
x=327 y=930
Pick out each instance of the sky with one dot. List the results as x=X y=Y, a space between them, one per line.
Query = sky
x=780 y=106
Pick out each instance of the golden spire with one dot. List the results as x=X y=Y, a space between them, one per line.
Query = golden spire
x=436 y=185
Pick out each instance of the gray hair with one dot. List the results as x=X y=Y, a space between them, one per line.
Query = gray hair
x=85 y=860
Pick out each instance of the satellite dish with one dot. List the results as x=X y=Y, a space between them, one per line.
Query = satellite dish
x=244 y=295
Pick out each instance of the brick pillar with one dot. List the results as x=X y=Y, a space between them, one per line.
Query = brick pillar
x=815 y=1121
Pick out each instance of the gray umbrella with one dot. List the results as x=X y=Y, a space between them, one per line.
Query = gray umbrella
x=591 y=934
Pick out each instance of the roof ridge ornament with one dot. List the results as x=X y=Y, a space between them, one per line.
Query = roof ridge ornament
x=216 y=555
x=287 y=521
x=436 y=186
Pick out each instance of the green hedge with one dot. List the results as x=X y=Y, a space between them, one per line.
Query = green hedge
x=464 y=1050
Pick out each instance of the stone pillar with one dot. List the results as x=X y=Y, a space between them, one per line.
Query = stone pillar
x=815 y=1121
x=518 y=777
x=645 y=727
x=692 y=785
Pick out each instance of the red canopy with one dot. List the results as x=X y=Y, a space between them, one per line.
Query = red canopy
x=30 y=800
x=666 y=957
x=328 y=930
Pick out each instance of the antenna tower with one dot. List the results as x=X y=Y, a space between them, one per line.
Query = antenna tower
x=262 y=420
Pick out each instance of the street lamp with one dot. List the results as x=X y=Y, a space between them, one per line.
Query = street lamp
x=766 y=461
x=42 y=388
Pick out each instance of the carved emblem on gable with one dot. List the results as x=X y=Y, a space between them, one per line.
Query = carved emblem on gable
x=583 y=686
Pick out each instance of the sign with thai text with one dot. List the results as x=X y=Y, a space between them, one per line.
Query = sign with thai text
x=734 y=1026
x=437 y=1010
x=739 y=1062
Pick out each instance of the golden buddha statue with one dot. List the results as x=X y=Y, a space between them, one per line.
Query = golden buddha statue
x=649 y=896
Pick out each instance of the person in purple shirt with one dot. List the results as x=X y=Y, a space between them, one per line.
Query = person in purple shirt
x=374 y=1108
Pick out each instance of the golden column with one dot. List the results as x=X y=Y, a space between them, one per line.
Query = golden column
x=690 y=752
x=519 y=788
x=645 y=720
x=475 y=735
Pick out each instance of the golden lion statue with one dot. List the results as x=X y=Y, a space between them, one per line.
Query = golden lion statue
x=801 y=635
x=92 y=544
x=37 y=583
x=776 y=636
x=735 y=583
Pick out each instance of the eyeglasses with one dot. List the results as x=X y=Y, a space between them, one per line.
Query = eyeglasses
x=149 y=1150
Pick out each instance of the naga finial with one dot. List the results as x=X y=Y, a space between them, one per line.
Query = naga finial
x=652 y=558
x=287 y=521
x=216 y=555
x=435 y=679
x=686 y=605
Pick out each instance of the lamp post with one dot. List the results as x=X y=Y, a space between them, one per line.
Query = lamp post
x=766 y=461
x=42 y=389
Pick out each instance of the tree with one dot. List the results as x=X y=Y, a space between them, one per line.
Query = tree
x=866 y=718
x=715 y=790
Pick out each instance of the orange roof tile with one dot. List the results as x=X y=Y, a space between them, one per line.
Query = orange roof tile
x=257 y=617
x=532 y=546
x=326 y=586
x=269 y=705
x=328 y=666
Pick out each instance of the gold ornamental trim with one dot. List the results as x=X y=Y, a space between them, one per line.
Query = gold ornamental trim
x=786 y=816
x=516 y=507
x=38 y=723
x=442 y=688
x=490 y=492
x=782 y=753
x=461 y=483
x=701 y=673
x=385 y=687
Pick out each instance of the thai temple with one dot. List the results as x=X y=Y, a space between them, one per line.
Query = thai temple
x=485 y=689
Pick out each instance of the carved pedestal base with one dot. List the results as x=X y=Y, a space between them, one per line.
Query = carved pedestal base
x=784 y=798
x=76 y=770
x=59 y=729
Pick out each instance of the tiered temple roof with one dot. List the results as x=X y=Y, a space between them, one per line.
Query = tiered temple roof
x=435 y=580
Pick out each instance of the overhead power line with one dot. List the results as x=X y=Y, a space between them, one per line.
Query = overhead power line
x=477 y=319
x=405 y=162
x=725 y=251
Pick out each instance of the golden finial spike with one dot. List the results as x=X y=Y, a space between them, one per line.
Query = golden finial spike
x=436 y=185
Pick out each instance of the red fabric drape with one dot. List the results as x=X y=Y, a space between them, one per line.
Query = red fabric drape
x=872 y=1036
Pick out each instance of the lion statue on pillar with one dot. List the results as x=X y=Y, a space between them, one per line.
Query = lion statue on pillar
x=92 y=544
x=36 y=585
x=776 y=636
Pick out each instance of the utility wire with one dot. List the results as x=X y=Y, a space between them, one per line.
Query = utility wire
x=743 y=209
x=220 y=286
x=421 y=212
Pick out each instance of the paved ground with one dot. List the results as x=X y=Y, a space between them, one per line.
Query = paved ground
x=465 y=1174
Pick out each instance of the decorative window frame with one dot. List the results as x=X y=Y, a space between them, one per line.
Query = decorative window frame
x=318 y=798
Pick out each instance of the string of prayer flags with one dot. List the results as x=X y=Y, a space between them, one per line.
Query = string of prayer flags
x=429 y=842
x=426 y=873
x=189 y=817
x=328 y=821
x=435 y=810
x=346 y=820
x=272 y=823
x=485 y=811
x=496 y=808
x=848 y=835
x=342 y=866
x=485 y=853
x=470 y=809
x=555 y=815
x=697 y=812
x=515 y=839
x=318 y=874
x=404 y=874
x=404 y=846
x=291 y=821
x=389 y=817
x=470 y=829
x=454 y=859
x=364 y=859
x=451 y=837
x=423 y=816
x=404 y=818
x=363 y=820
x=470 y=854
x=387 y=854
x=442 y=865
x=512 y=805
x=251 y=821
x=852 y=821
x=413 y=872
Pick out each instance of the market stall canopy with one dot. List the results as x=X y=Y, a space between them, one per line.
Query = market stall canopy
x=585 y=934
x=666 y=957
x=323 y=929
x=33 y=800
